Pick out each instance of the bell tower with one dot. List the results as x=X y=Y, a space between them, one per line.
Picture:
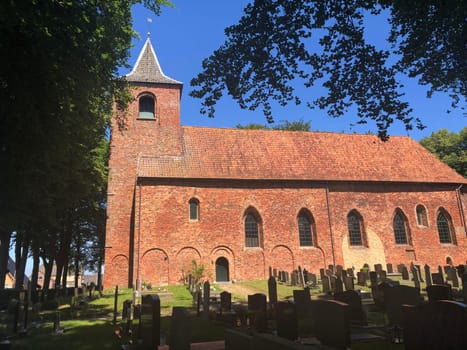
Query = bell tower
x=152 y=128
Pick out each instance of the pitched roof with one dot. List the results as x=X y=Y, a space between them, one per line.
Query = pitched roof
x=147 y=68
x=292 y=155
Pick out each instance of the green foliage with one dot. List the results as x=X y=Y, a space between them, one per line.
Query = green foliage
x=197 y=271
x=450 y=147
x=297 y=125
x=279 y=43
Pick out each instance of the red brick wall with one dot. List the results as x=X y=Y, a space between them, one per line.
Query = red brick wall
x=150 y=237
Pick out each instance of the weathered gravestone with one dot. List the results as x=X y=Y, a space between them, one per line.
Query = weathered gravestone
x=115 y=305
x=441 y=273
x=361 y=278
x=226 y=301
x=437 y=278
x=294 y=278
x=301 y=278
x=126 y=314
x=326 y=284
x=349 y=283
x=352 y=298
x=405 y=273
x=302 y=300
x=339 y=269
x=439 y=292
x=378 y=268
x=322 y=273
x=464 y=287
x=452 y=276
x=389 y=268
x=452 y=318
x=150 y=321
x=274 y=272
x=396 y=296
x=331 y=324
x=287 y=320
x=416 y=277
x=206 y=299
x=257 y=307
x=428 y=280
x=338 y=285
x=313 y=280
x=180 y=329
x=400 y=267
x=272 y=292
x=373 y=278
x=350 y=272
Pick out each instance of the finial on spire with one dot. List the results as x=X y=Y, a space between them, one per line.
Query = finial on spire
x=149 y=20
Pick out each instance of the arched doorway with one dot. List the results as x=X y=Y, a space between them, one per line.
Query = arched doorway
x=222 y=270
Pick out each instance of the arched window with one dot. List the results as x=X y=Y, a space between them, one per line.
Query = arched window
x=355 y=225
x=305 y=228
x=401 y=228
x=422 y=218
x=146 y=107
x=444 y=227
x=194 y=209
x=253 y=228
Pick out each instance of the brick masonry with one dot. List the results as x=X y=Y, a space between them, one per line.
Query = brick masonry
x=150 y=236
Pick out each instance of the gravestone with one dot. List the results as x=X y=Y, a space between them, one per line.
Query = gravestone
x=322 y=273
x=396 y=296
x=257 y=306
x=439 y=292
x=115 y=305
x=312 y=278
x=464 y=287
x=270 y=271
x=272 y=291
x=351 y=273
x=126 y=314
x=373 y=278
x=305 y=276
x=331 y=269
x=400 y=267
x=382 y=275
x=338 y=285
x=180 y=329
x=339 y=269
x=287 y=278
x=416 y=277
x=419 y=268
x=452 y=276
x=287 y=320
x=302 y=300
x=150 y=321
x=378 y=268
x=206 y=299
x=352 y=298
x=301 y=279
x=405 y=273
x=349 y=283
x=440 y=271
x=226 y=301
x=326 y=284
x=452 y=324
x=274 y=272
x=331 y=324
x=428 y=280
x=361 y=278
x=437 y=278
x=460 y=270
x=389 y=268
x=294 y=278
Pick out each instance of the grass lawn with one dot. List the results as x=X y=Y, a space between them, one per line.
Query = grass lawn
x=92 y=326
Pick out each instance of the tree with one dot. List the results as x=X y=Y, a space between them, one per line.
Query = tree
x=278 y=43
x=297 y=125
x=58 y=67
x=449 y=147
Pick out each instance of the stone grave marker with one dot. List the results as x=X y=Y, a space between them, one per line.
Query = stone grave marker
x=349 y=283
x=439 y=292
x=326 y=284
x=396 y=296
x=400 y=267
x=115 y=305
x=427 y=275
x=226 y=301
x=416 y=277
x=405 y=273
x=274 y=272
x=305 y=276
x=294 y=278
x=452 y=276
x=287 y=278
x=272 y=292
x=180 y=329
x=302 y=300
x=460 y=270
x=419 y=268
x=350 y=272
x=287 y=320
x=452 y=325
x=127 y=315
x=352 y=298
x=331 y=269
x=331 y=324
x=312 y=278
x=441 y=273
x=389 y=268
x=382 y=275
x=206 y=299
x=464 y=287
x=373 y=278
x=301 y=278
x=322 y=273
x=361 y=278
x=270 y=271
x=437 y=278
x=150 y=321
x=339 y=269
x=257 y=307
x=339 y=286
x=378 y=268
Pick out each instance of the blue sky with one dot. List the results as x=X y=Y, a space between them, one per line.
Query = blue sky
x=186 y=34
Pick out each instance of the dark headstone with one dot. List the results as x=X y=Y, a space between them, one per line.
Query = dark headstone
x=361 y=278
x=206 y=299
x=416 y=277
x=373 y=278
x=378 y=267
x=150 y=320
x=460 y=270
x=301 y=279
x=349 y=283
x=294 y=278
x=452 y=276
x=287 y=278
x=326 y=284
x=405 y=273
x=464 y=287
x=339 y=286
x=439 y=292
x=272 y=291
x=437 y=278
x=331 y=324
x=352 y=298
x=180 y=329
x=257 y=307
x=226 y=301
x=115 y=305
x=400 y=267
x=322 y=273
x=428 y=280
x=313 y=280
x=274 y=272
x=396 y=296
x=452 y=324
x=339 y=269
x=350 y=272
x=440 y=271
x=302 y=300
x=389 y=268
x=287 y=320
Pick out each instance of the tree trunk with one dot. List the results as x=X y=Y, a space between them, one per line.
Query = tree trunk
x=35 y=268
x=48 y=266
x=4 y=254
x=21 y=256
x=65 y=275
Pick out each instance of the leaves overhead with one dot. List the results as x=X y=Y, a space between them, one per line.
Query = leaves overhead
x=278 y=43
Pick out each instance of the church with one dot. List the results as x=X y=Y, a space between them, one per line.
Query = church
x=242 y=201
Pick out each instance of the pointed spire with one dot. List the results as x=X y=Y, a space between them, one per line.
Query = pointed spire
x=147 y=68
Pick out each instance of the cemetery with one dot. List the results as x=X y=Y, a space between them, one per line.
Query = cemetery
x=391 y=307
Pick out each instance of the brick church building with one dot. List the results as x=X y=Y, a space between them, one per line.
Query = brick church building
x=241 y=201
